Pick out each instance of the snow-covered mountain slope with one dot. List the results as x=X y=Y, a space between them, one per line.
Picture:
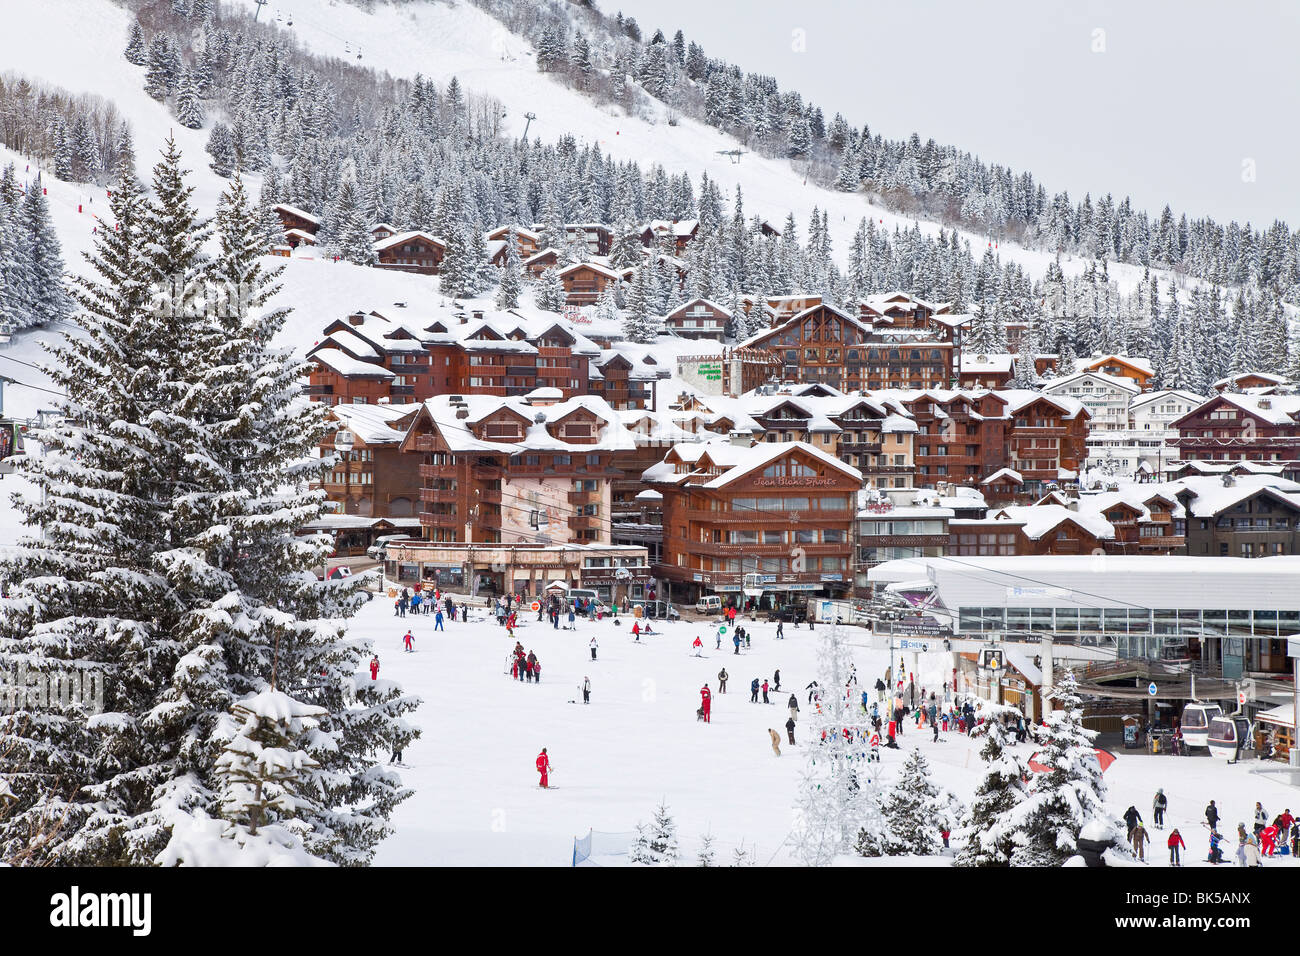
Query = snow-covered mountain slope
x=453 y=38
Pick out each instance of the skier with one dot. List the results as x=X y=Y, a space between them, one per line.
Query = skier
x=780 y=630
x=880 y=690
x=1261 y=819
x=735 y=639
x=586 y=690
x=722 y=681
x=776 y=741
x=636 y=630
x=1175 y=843
x=776 y=681
x=408 y=640
x=1249 y=853
x=789 y=730
x=794 y=707
x=698 y=645
x=1216 y=852
x=875 y=746
x=811 y=689
x=1158 y=807
x=705 y=701
x=1212 y=816
x=753 y=691
x=593 y=641
x=765 y=700
x=1267 y=840
x=374 y=667
x=544 y=767
x=1132 y=818
x=1139 y=840
x=717 y=643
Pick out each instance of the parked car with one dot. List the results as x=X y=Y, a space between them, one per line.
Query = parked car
x=376 y=550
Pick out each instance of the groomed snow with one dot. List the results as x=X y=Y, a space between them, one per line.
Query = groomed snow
x=476 y=797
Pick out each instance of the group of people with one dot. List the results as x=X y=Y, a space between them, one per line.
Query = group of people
x=1268 y=836
x=525 y=667
x=417 y=600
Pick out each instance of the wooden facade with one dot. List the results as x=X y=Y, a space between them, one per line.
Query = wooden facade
x=416 y=252
x=585 y=281
x=783 y=512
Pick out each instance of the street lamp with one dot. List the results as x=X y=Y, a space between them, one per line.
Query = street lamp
x=345 y=441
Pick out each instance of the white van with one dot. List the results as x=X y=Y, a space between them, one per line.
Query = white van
x=709 y=604
x=589 y=597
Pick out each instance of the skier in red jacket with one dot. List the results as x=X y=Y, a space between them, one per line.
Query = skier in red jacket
x=1175 y=844
x=698 y=645
x=706 y=700
x=544 y=766
x=374 y=667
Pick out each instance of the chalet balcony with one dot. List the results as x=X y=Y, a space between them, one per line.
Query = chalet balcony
x=860 y=448
x=1162 y=542
x=401 y=390
x=487 y=472
x=489 y=495
x=429 y=519
x=903 y=540
x=432 y=472
x=439 y=495
x=585 y=497
x=425 y=443
x=526 y=370
x=320 y=389
x=586 y=523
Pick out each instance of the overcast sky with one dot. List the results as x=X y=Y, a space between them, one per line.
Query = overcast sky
x=1176 y=102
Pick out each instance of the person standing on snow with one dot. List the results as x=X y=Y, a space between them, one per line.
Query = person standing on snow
x=1261 y=819
x=722 y=681
x=374 y=667
x=698 y=645
x=593 y=640
x=544 y=767
x=776 y=681
x=812 y=690
x=1158 y=807
x=735 y=639
x=753 y=691
x=765 y=700
x=789 y=730
x=1212 y=816
x=794 y=707
x=586 y=690
x=408 y=640
x=776 y=741
x=1175 y=843
x=706 y=699
x=1131 y=819
x=1139 y=840
x=437 y=620
x=780 y=630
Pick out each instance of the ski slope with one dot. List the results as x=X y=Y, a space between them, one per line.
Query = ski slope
x=477 y=803
x=452 y=38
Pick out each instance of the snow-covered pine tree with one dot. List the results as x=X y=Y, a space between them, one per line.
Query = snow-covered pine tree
x=638 y=324
x=48 y=299
x=352 y=239
x=912 y=811
x=87 y=595
x=164 y=67
x=984 y=833
x=222 y=149
x=1069 y=796
x=706 y=856
x=639 y=851
x=511 y=272
x=135 y=46
x=551 y=296
x=663 y=837
x=189 y=105
x=16 y=291
x=264 y=778
x=1024 y=372
x=839 y=801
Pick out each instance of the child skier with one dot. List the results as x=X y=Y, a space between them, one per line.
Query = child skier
x=408 y=640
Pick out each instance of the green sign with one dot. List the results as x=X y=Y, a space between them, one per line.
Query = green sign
x=711 y=372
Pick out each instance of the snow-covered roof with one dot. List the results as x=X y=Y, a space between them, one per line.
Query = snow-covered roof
x=1039 y=520
x=402 y=237
x=456 y=432
x=765 y=452
x=1265 y=376
x=373 y=423
x=1117 y=382
x=347 y=365
x=972 y=363
x=1211 y=496
x=295 y=211
x=1008 y=473
x=1136 y=362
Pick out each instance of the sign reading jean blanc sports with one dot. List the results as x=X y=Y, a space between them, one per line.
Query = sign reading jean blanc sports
x=793 y=482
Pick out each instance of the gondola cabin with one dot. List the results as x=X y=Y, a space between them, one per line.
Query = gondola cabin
x=11 y=444
x=1196 y=723
x=1228 y=736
